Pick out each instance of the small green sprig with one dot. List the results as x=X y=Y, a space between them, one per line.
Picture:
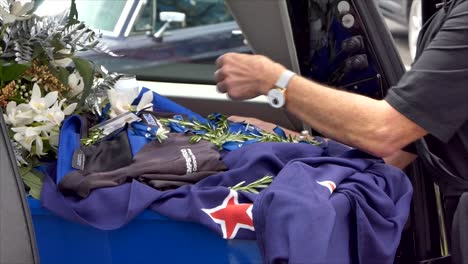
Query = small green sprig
x=94 y=136
x=254 y=186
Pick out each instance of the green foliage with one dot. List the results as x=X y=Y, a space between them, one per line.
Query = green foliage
x=10 y=72
x=73 y=16
x=219 y=134
x=61 y=73
x=94 y=136
x=254 y=186
x=33 y=179
x=86 y=71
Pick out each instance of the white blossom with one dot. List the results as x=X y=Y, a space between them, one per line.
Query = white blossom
x=76 y=83
x=26 y=136
x=121 y=102
x=54 y=136
x=17 y=10
x=40 y=104
x=54 y=114
x=20 y=115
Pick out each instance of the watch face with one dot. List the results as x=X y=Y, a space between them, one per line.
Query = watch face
x=276 y=98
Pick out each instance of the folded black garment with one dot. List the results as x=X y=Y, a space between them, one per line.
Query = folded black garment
x=111 y=153
x=170 y=164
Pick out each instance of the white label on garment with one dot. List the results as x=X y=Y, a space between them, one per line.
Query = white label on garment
x=190 y=160
x=149 y=119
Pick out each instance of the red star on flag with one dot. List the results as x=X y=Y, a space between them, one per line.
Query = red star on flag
x=232 y=215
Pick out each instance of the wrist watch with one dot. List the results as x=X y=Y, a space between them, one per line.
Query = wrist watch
x=276 y=96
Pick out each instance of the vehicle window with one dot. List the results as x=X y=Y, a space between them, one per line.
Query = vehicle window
x=404 y=19
x=100 y=14
x=197 y=12
x=155 y=49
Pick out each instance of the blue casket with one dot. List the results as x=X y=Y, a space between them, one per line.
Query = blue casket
x=149 y=238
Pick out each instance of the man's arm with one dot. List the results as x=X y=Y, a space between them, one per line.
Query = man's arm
x=400 y=159
x=370 y=125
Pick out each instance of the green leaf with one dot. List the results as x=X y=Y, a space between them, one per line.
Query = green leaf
x=34 y=180
x=73 y=16
x=12 y=72
x=86 y=71
x=61 y=74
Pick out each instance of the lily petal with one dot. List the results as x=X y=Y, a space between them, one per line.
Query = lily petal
x=146 y=99
x=39 y=146
x=6 y=16
x=26 y=8
x=50 y=98
x=70 y=109
x=11 y=106
x=36 y=92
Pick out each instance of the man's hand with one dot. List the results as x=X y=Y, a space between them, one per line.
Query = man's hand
x=400 y=159
x=244 y=76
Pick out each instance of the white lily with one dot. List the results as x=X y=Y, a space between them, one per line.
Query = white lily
x=38 y=103
x=54 y=114
x=54 y=136
x=121 y=102
x=20 y=115
x=26 y=136
x=76 y=83
x=17 y=10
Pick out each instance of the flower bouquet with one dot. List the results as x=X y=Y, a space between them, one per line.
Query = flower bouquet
x=42 y=80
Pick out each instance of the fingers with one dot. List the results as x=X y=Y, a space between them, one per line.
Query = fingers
x=219 y=75
x=221 y=61
x=221 y=87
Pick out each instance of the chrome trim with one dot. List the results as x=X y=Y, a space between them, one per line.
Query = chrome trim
x=186 y=90
x=123 y=17
x=444 y=248
x=133 y=19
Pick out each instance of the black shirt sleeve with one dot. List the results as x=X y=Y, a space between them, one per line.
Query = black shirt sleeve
x=434 y=93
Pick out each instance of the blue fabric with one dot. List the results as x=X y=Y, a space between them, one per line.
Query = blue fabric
x=369 y=207
x=326 y=204
x=279 y=131
x=295 y=219
x=136 y=141
x=69 y=141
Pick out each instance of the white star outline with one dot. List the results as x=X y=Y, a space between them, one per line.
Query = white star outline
x=222 y=223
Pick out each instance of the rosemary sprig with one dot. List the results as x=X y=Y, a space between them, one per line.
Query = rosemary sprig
x=217 y=132
x=94 y=136
x=254 y=186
